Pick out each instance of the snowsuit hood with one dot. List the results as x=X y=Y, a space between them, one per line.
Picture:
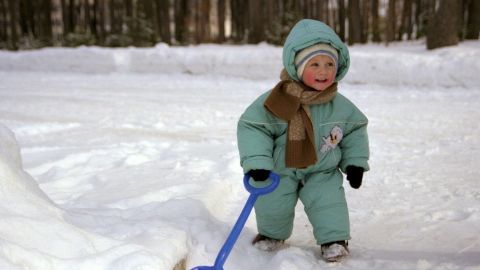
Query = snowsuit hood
x=306 y=33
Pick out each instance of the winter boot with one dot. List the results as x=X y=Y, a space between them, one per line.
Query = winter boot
x=334 y=251
x=266 y=243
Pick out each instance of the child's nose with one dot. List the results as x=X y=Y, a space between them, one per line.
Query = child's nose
x=322 y=70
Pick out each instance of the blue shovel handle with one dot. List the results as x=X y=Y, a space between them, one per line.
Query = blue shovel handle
x=242 y=219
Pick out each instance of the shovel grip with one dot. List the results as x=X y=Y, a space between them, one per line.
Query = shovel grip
x=275 y=180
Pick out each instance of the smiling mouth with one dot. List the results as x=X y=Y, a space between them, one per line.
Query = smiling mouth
x=321 y=81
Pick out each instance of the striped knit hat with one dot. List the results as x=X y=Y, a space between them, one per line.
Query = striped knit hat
x=302 y=58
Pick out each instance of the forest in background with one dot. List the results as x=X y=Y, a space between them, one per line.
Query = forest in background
x=31 y=24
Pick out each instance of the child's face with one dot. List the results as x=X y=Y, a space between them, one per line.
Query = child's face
x=319 y=72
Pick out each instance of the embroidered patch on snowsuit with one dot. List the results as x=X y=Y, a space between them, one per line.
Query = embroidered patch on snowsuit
x=331 y=141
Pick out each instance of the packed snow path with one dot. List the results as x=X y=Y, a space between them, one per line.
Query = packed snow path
x=141 y=170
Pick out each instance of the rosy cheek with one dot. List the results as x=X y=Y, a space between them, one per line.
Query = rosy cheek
x=308 y=77
x=331 y=78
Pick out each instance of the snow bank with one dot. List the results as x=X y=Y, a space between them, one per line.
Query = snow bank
x=35 y=235
x=371 y=64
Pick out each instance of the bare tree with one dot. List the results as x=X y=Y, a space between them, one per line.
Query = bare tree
x=57 y=22
x=341 y=19
x=406 y=21
x=332 y=13
x=391 y=21
x=375 y=22
x=69 y=16
x=273 y=19
x=27 y=24
x=116 y=16
x=321 y=10
x=365 y=20
x=256 y=30
x=202 y=21
x=473 y=20
x=443 y=28
x=180 y=21
x=221 y=9
x=426 y=10
x=43 y=25
x=100 y=31
x=291 y=14
x=81 y=24
x=11 y=22
x=239 y=18
x=3 y=24
x=354 y=22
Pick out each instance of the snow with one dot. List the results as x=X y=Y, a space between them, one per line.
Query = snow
x=127 y=158
x=396 y=65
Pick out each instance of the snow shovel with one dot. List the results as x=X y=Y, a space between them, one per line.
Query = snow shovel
x=242 y=219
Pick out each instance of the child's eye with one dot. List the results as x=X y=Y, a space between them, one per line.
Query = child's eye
x=314 y=64
x=330 y=64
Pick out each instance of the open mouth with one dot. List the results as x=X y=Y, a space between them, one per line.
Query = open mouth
x=321 y=81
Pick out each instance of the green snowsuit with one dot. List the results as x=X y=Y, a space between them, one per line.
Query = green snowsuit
x=262 y=138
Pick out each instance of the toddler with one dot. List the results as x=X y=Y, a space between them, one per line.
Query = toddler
x=308 y=133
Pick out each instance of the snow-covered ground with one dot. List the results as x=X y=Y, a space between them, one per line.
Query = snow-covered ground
x=127 y=158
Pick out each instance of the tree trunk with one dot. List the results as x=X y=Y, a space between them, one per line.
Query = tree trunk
x=354 y=22
x=81 y=23
x=221 y=6
x=197 y=21
x=391 y=21
x=26 y=19
x=70 y=17
x=43 y=22
x=115 y=17
x=409 y=23
x=322 y=10
x=256 y=25
x=423 y=13
x=291 y=14
x=443 y=29
x=341 y=19
x=92 y=24
x=332 y=14
x=149 y=17
x=203 y=22
x=100 y=30
x=417 y=20
x=273 y=21
x=12 y=24
x=57 y=22
x=375 y=22
x=180 y=21
x=365 y=20
x=406 y=22
x=163 y=20
x=3 y=24
x=461 y=19
x=473 y=20
x=190 y=22
x=239 y=19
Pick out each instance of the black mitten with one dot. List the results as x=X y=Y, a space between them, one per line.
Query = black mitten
x=355 y=176
x=259 y=175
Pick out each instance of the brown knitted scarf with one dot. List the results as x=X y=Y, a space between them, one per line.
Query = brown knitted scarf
x=290 y=100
